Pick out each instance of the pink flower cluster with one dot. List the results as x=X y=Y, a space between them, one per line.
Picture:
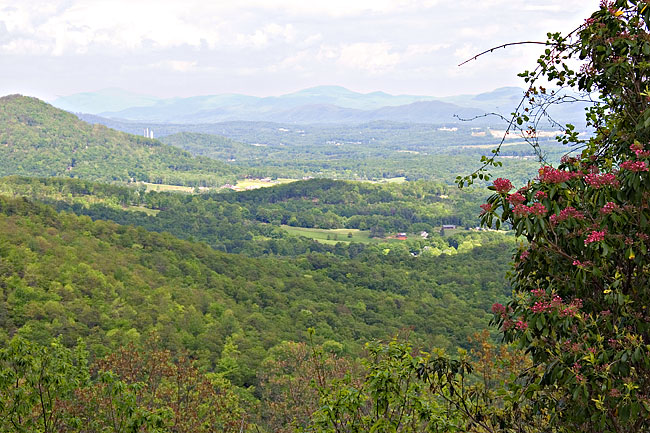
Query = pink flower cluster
x=566 y=159
x=537 y=209
x=543 y=306
x=635 y=166
x=540 y=195
x=502 y=185
x=638 y=150
x=516 y=198
x=498 y=308
x=596 y=180
x=548 y=174
x=595 y=236
x=609 y=208
x=565 y=214
x=521 y=325
x=572 y=308
x=487 y=207
x=557 y=304
x=538 y=293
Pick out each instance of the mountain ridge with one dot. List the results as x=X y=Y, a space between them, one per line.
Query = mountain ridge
x=37 y=139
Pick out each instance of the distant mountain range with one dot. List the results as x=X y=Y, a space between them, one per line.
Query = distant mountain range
x=323 y=104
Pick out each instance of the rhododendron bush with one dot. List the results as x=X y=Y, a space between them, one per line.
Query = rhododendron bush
x=581 y=281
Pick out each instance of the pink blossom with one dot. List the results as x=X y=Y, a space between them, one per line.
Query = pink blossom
x=540 y=307
x=521 y=325
x=540 y=195
x=548 y=174
x=595 y=236
x=521 y=210
x=524 y=255
x=638 y=150
x=538 y=292
x=487 y=207
x=502 y=185
x=609 y=208
x=635 y=166
x=537 y=209
x=498 y=308
x=596 y=180
x=516 y=198
x=566 y=213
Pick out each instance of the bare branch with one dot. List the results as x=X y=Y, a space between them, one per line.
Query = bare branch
x=504 y=46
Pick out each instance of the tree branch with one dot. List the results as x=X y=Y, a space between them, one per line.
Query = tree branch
x=504 y=46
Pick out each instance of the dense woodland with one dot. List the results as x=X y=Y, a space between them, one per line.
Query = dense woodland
x=65 y=275
x=129 y=310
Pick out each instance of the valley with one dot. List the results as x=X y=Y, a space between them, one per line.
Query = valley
x=227 y=247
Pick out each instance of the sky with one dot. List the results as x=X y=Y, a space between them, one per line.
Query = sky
x=171 y=48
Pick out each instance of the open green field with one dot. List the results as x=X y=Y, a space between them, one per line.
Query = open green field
x=332 y=236
x=260 y=183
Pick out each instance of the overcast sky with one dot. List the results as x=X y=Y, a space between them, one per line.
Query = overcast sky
x=269 y=47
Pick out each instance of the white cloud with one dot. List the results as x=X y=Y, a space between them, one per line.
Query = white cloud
x=371 y=57
x=264 y=36
x=380 y=44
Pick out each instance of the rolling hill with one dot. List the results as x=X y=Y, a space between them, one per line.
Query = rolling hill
x=37 y=139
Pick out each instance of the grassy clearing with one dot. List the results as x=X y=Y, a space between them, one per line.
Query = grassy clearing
x=387 y=180
x=261 y=183
x=335 y=235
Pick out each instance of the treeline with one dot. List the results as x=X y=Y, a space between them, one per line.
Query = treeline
x=248 y=222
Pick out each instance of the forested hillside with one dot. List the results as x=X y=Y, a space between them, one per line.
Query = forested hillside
x=65 y=275
x=37 y=139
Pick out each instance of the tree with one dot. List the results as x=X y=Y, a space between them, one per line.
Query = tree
x=582 y=281
x=401 y=389
x=33 y=381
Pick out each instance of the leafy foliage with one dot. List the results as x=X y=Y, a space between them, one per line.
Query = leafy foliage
x=53 y=389
x=581 y=284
